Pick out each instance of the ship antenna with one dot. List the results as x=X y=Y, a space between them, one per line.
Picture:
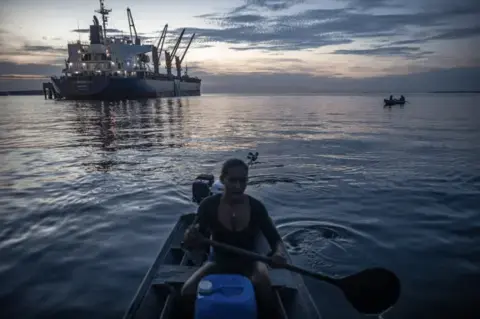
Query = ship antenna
x=78 y=31
x=104 y=12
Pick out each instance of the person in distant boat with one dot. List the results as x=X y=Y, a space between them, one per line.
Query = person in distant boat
x=391 y=97
x=234 y=218
x=402 y=98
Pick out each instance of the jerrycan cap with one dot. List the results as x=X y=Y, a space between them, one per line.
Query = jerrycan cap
x=205 y=286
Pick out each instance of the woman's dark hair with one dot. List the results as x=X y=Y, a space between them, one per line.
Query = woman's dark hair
x=233 y=162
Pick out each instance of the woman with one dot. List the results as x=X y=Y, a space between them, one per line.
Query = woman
x=234 y=218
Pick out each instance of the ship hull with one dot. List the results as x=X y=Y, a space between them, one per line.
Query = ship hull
x=121 y=88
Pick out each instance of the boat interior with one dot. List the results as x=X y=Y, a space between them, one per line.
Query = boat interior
x=161 y=286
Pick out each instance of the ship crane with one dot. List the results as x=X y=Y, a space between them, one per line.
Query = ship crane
x=175 y=48
x=168 y=55
x=186 y=49
x=161 y=41
x=104 y=12
x=157 y=50
x=178 y=61
x=131 y=26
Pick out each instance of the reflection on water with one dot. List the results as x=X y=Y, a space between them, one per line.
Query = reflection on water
x=123 y=125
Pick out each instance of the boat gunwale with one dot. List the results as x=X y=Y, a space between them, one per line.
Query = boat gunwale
x=147 y=280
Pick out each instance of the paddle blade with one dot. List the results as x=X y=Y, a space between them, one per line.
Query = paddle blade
x=371 y=291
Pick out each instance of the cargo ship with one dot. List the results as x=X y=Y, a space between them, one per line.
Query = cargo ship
x=121 y=67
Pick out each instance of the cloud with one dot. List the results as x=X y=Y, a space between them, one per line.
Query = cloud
x=259 y=64
x=457 y=33
x=22 y=77
x=272 y=5
x=316 y=28
x=246 y=29
x=117 y=32
x=9 y=68
x=30 y=53
x=200 y=46
x=447 y=7
x=52 y=38
x=364 y=5
x=42 y=48
x=269 y=40
x=15 y=48
x=240 y=19
x=171 y=38
x=404 y=51
x=108 y=30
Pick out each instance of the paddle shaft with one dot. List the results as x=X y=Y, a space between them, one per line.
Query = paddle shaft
x=371 y=291
x=268 y=260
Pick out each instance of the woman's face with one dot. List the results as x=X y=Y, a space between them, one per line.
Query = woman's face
x=235 y=181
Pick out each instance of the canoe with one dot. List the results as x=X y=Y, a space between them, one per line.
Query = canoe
x=394 y=102
x=159 y=292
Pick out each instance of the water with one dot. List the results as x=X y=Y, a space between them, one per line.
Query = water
x=89 y=192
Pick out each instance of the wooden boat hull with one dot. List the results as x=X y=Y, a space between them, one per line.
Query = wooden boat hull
x=393 y=102
x=158 y=295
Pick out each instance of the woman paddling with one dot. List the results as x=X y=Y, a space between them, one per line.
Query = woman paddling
x=234 y=218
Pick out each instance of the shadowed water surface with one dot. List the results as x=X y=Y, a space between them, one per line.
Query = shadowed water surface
x=89 y=191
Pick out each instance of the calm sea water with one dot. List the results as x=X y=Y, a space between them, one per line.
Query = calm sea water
x=89 y=191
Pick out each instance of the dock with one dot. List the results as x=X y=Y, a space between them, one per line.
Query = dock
x=49 y=91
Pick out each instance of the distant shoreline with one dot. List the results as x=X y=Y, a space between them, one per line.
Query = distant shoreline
x=23 y=92
x=436 y=92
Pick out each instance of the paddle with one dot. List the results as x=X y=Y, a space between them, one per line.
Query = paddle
x=371 y=291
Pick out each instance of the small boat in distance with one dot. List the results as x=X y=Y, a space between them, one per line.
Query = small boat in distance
x=391 y=101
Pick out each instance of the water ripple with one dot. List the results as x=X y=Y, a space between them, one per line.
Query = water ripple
x=90 y=190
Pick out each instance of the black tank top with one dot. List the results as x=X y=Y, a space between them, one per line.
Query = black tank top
x=259 y=222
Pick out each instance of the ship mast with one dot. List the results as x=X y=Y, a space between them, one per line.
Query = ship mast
x=104 y=12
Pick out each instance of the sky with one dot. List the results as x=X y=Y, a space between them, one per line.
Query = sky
x=266 y=45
